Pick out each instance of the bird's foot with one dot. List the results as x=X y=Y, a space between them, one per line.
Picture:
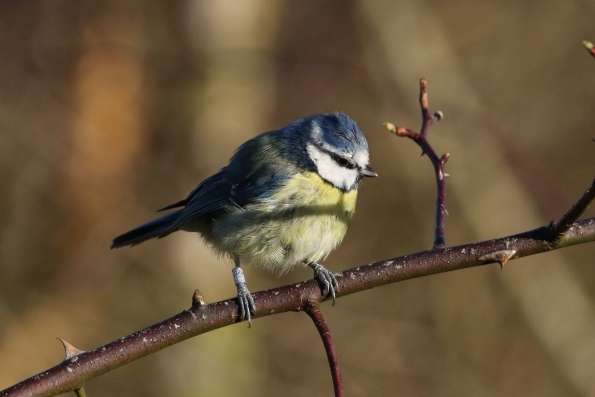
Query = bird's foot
x=327 y=278
x=245 y=300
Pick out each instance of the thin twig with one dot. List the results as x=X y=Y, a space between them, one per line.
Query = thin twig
x=567 y=220
x=427 y=149
x=202 y=318
x=325 y=333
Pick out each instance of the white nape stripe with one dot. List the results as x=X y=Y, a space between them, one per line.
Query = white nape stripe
x=330 y=171
x=316 y=130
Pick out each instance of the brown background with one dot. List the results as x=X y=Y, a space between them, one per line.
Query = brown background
x=110 y=110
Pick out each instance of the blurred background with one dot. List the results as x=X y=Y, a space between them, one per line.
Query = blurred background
x=110 y=110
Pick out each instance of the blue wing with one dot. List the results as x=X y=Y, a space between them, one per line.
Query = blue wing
x=254 y=172
x=211 y=196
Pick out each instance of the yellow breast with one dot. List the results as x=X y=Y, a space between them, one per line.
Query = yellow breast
x=304 y=220
x=309 y=190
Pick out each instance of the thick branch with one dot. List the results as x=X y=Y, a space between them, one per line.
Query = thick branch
x=201 y=318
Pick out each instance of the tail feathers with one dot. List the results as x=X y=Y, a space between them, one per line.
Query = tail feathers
x=159 y=227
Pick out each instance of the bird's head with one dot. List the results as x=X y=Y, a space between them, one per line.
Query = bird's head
x=336 y=149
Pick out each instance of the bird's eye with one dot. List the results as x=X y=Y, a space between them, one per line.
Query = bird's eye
x=343 y=162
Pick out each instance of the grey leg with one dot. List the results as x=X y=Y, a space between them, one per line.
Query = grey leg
x=327 y=278
x=245 y=301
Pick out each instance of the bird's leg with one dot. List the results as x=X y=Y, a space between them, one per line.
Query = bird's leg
x=327 y=278
x=245 y=301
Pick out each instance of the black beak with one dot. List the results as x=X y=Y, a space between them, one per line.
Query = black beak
x=368 y=171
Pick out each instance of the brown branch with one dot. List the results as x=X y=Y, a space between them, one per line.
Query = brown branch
x=325 y=334
x=73 y=372
x=437 y=161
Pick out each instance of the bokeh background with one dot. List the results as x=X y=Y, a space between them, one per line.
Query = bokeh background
x=110 y=110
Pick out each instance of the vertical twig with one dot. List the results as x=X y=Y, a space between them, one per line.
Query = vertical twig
x=438 y=162
x=325 y=333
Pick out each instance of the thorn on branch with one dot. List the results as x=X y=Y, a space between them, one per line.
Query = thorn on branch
x=501 y=257
x=69 y=350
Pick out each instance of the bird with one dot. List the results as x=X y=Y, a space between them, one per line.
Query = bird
x=285 y=198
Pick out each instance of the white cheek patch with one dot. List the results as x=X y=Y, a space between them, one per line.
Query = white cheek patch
x=330 y=171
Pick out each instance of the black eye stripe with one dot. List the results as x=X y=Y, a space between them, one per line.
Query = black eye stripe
x=342 y=161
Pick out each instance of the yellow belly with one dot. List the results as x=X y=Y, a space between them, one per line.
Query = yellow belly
x=304 y=221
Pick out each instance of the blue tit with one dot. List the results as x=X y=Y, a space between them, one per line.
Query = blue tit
x=285 y=198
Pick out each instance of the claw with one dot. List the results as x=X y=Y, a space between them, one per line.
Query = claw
x=245 y=300
x=245 y=303
x=328 y=280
